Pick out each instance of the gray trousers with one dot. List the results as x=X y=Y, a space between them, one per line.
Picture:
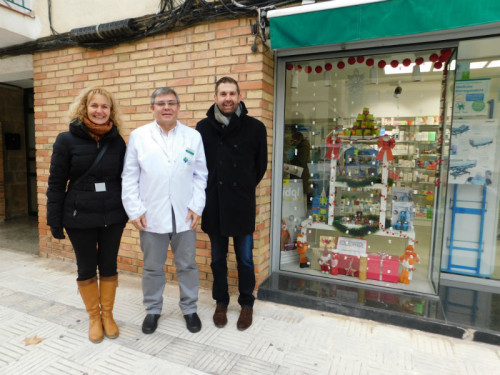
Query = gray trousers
x=154 y=247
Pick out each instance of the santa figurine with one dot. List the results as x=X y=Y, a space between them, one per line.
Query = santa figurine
x=302 y=249
x=325 y=260
x=408 y=260
x=334 y=263
x=285 y=234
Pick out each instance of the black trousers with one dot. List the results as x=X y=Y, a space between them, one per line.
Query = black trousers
x=96 y=249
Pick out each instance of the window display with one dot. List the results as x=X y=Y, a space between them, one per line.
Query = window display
x=362 y=161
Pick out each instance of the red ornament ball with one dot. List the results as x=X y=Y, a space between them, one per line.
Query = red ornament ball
x=298 y=68
x=308 y=69
x=318 y=69
x=351 y=60
x=360 y=59
x=434 y=57
x=419 y=60
x=445 y=55
x=381 y=64
x=438 y=65
x=289 y=66
x=328 y=67
x=370 y=62
x=394 y=63
x=406 y=62
x=341 y=65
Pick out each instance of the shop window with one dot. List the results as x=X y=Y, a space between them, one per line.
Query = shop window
x=472 y=227
x=363 y=159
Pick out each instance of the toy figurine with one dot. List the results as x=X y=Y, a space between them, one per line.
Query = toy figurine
x=325 y=260
x=408 y=260
x=285 y=234
x=302 y=249
x=402 y=223
x=334 y=263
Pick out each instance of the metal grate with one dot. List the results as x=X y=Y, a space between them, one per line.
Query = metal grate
x=24 y=4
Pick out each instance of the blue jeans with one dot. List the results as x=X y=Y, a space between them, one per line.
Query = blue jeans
x=243 y=246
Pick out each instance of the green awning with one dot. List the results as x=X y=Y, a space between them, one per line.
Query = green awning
x=378 y=20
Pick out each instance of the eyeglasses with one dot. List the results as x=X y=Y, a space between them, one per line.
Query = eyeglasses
x=171 y=103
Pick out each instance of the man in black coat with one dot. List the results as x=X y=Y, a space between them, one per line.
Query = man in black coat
x=236 y=152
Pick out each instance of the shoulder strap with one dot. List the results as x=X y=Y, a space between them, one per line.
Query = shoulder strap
x=94 y=164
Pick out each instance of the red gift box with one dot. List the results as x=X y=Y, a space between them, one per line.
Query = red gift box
x=348 y=265
x=383 y=267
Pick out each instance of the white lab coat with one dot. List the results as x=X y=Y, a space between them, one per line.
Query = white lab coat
x=153 y=185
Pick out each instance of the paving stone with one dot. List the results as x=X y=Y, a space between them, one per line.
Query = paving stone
x=38 y=296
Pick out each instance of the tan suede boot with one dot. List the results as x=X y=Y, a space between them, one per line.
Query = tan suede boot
x=90 y=296
x=107 y=287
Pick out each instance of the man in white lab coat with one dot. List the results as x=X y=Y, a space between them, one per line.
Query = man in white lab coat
x=163 y=191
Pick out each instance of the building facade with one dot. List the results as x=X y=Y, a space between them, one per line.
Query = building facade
x=383 y=139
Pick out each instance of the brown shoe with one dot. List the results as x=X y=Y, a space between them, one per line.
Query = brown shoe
x=220 y=318
x=245 y=319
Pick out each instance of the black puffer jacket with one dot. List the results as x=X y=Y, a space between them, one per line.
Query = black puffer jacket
x=81 y=206
x=236 y=162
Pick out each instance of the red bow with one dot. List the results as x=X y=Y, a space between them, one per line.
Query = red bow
x=332 y=147
x=385 y=148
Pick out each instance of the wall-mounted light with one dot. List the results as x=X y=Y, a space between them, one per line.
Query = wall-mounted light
x=328 y=78
x=374 y=75
x=295 y=80
x=416 y=76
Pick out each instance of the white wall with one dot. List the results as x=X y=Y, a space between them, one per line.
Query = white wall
x=17 y=27
x=71 y=14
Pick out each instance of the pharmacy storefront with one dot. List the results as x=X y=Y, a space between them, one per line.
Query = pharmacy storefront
x=386 y=145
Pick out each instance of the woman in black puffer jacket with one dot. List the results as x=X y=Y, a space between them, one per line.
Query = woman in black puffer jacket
x=90 y=209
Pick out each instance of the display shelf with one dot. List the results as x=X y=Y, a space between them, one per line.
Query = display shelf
x=415 y=155
x=308 y=225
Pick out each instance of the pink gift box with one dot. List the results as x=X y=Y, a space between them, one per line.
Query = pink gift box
x=348 y=265
x=382 y=297
x=383 y=267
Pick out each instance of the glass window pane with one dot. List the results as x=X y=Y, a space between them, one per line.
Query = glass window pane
x=472 y=221
x=342 y=198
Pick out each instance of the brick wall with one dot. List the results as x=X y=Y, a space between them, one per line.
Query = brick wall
x=187 y=61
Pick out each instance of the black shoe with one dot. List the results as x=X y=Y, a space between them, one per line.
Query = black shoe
x=193 y=322
x=150 y=323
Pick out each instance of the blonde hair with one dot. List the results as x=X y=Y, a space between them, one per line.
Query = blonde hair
x=78 y=110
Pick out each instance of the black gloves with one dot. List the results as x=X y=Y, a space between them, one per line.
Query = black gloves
x=57 y=232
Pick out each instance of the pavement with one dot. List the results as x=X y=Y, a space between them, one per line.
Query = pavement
x=43 y=330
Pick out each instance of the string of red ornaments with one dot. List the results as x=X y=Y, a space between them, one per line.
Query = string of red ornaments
x=438 y=60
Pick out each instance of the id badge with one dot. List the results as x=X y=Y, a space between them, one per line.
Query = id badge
x=189 y=155
x=100 y=186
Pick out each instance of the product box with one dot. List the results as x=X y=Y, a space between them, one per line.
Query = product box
x=383 y=267
x=348 y=265
x=328 y=241
x=313 y=253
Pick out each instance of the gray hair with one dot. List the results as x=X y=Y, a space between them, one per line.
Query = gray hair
x=164 y=91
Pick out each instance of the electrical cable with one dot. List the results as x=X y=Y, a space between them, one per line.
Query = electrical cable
x=49 y=4
x=169 y=18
